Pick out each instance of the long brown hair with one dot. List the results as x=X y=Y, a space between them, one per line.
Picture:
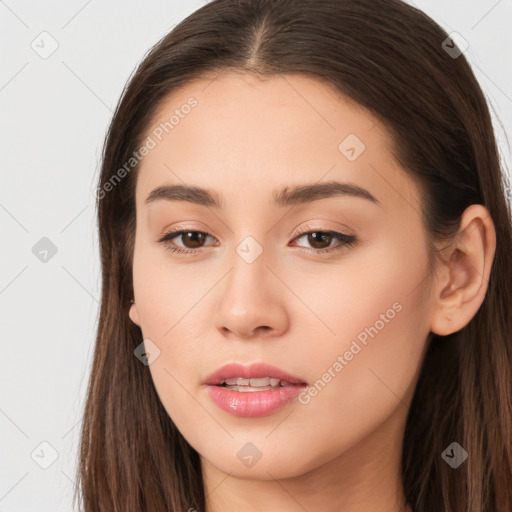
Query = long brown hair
x=390 y=58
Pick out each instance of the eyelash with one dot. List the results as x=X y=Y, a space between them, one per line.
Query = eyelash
x=346 y=240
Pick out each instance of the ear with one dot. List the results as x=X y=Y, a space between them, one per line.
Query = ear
x=463 y=272
x=133 y=313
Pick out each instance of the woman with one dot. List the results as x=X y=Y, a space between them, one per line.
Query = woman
x=305 y=246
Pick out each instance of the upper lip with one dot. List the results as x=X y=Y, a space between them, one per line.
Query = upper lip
x=253 y=371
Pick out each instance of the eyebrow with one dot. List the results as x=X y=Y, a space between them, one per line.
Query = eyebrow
x=286 y=196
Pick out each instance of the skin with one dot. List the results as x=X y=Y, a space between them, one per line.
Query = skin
x=295 y=309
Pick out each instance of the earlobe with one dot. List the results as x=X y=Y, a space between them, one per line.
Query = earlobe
x=133 y=313
x=466 y=268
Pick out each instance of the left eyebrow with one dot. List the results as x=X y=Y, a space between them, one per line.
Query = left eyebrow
x=313 y=192
x=286 y=196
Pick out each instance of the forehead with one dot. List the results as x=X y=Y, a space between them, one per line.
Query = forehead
x=238 y=134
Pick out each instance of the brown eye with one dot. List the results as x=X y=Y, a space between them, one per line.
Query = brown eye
x=194 y=239
x=190 y=240
x=321 y=241
x=317 y=239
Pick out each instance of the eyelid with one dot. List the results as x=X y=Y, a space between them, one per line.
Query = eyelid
x=185 y=227
x=315 y=227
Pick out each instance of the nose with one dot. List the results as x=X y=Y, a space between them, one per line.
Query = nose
x=251 y=301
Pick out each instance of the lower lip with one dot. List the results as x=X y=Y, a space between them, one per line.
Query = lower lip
x=252 y=404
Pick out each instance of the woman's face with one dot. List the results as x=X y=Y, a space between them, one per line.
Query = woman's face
x=348 y=316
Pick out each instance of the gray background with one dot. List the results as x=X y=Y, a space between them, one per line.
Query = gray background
x=55 y=111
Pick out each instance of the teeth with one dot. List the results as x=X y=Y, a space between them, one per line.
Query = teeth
x=247 y=385
x=245 y=389
x=265 y=381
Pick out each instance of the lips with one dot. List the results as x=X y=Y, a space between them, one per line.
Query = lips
x=246 y=395
x=253 y=371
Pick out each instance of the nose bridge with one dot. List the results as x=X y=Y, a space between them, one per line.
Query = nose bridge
x=248 y=279
x=250 y=297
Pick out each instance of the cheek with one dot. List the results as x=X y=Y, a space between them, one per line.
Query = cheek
x=166 y=293
x=372 y=293
x=169 y=304
x=377 y=308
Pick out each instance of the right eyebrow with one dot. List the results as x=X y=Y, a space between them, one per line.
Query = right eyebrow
x=191 y=194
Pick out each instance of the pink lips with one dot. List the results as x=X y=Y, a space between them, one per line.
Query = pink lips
x=252 y=404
